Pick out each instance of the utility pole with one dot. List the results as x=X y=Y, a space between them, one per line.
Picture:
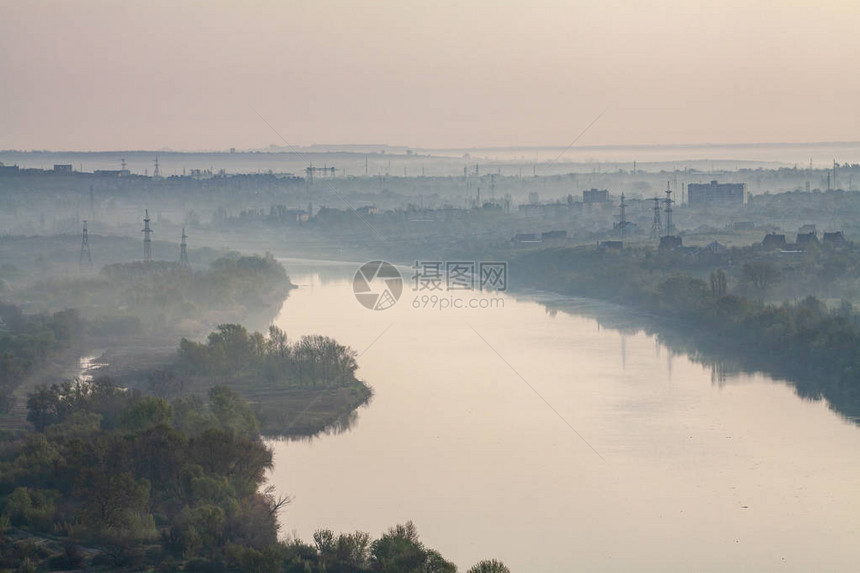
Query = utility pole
x=183 y=251
x=85 y=249
x=668 y=209
x=147 y=240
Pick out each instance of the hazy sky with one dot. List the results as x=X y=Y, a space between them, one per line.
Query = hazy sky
x=189 y=75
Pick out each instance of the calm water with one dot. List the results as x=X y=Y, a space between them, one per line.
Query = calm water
x=690 y=476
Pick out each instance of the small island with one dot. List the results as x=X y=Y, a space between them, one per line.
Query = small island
x=296 y=389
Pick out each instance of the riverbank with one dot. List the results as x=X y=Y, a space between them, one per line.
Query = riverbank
x=815 y=348
x=283 y=412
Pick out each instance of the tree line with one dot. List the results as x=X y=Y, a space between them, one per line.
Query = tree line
x=231 y=351
x=157 y=295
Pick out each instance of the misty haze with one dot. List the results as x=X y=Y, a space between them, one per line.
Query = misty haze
x=394 y=287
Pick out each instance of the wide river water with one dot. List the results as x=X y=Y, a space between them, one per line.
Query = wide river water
x=553 y=443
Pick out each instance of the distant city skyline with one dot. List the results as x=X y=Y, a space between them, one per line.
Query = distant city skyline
x=96 y=75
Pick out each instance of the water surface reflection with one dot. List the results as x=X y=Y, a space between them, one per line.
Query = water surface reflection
x=740 y=474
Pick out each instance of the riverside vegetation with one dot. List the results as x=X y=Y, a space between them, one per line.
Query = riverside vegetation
x=142 y=309
x=816 y=346
x=114 y=479
x=169 y=474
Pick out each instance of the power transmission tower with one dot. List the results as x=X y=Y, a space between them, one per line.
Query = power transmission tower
x=668 y=202
x=85 y=260
x=183 y=252
x=657 y=224
x=147 y=239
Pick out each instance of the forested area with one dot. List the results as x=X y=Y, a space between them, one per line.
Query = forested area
x=296 y=388
x=28 y=342
x=116 y=479
x=154 y=297
x=125 y=302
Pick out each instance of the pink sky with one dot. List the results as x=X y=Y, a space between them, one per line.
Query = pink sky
x=189 y=75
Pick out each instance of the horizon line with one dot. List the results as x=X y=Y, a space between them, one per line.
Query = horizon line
x=282 y=149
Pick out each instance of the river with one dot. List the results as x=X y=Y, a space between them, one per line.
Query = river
x=551 y=443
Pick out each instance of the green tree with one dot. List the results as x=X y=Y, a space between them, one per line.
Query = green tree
x=43 y=407
x=233 y=413
x=400 y=551
x=761 y=275
x=147 y=412
x=489 y=566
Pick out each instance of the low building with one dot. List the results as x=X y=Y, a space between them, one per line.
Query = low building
x=835 y=240
x=62 y=168
x=805 y=240
x=773 y=241
x=553 y=235
x=611 y=244
x=531 y=210
x=715 y=248
x=670 y=242
x=526 y=238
